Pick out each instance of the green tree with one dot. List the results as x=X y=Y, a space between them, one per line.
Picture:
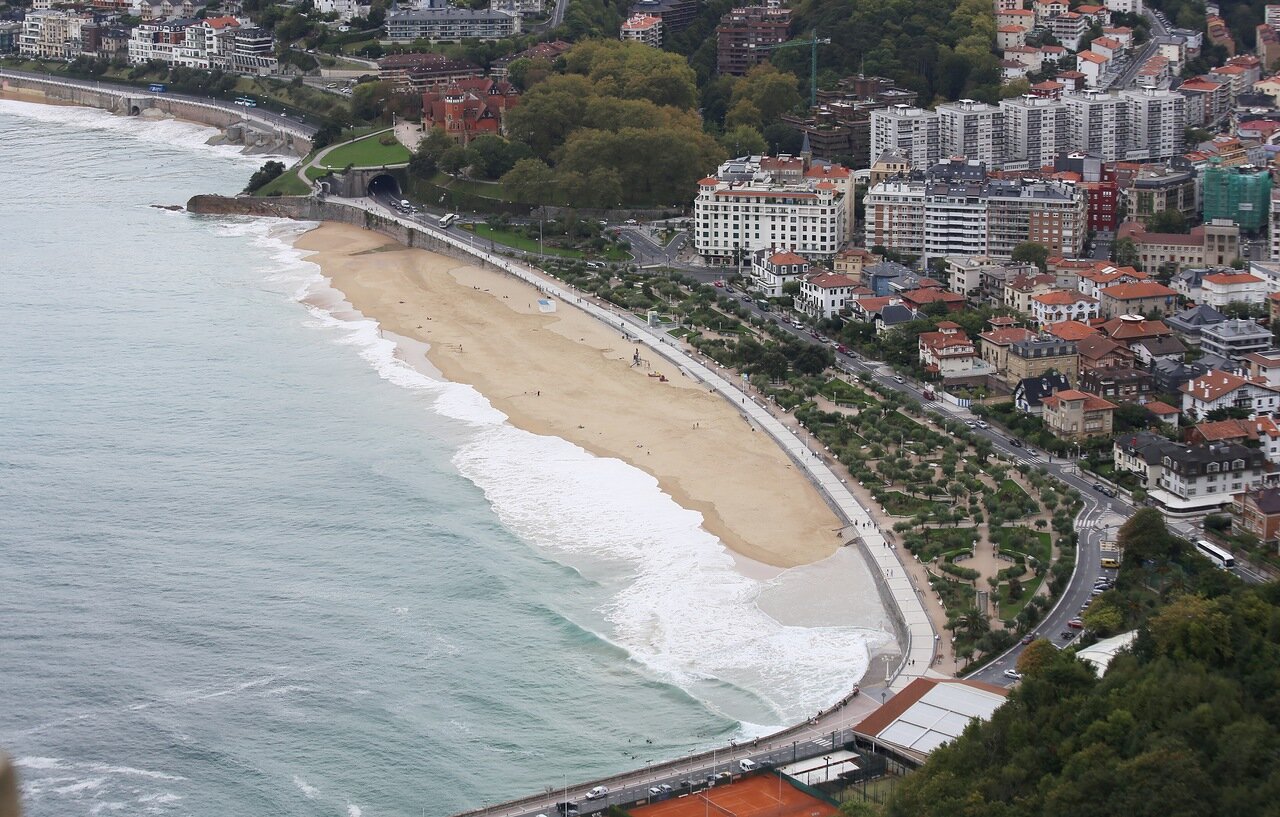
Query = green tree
x=769 y=90
x=529 y=180
x=1031 y=252
x=1125 y=253
x=264 y=176
x=1169 y=221
x=743 y=140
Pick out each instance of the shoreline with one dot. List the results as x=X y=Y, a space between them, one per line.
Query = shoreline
x=564 y=374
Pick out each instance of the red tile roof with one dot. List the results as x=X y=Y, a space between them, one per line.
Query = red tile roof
x=1142 y=289
x=1072 y=330
x=1230 y=278
x=1062 y=297
x=1003 y=337
x=1092 y=402
x=1161 y=409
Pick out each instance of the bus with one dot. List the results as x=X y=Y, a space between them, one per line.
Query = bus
x=246 y=101
x=447 y=220
x=157 y=88
x=1220 y=557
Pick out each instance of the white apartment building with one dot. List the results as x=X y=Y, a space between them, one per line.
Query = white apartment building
x=642 y=28
x=1098 y=124
x=974 y=130
x=1222 y=288
x=824 y=294
x=744 y=208
x=1037 y=130
x=1124 y=6
x=1058 y=305
x=772 y=269
x=51 y=34
x=1156 y=119
x=956 y=210
x=913 y=131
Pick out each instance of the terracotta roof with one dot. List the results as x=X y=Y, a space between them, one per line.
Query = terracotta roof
x=1062 y=297
x=1121 y=329
x=1262 y=360
x=1092 y=402
x=1230 y=278
x=1227 y=430
x=1161 y=409
x=829 y=280
x=928 y=296
x=1142 y=289
x=1003 y=320
x=1213 y=385
x=1090 y=56
x=1072 y=330
x=1011 y=29
x=1096 y=347
x=786 y=259
x=1003 y=337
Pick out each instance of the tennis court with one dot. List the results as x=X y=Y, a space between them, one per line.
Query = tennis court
x=762 y=795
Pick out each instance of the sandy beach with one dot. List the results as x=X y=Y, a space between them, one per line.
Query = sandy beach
x=567 y=375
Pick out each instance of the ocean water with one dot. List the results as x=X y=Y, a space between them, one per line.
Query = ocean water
x=252 y=563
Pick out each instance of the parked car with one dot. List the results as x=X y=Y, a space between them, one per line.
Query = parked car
x=1076 y=624
x=1067 y=635
x=1013 y=674
x=598 y=792
x=983 y=424
x=1028 y=638
x=654 y=791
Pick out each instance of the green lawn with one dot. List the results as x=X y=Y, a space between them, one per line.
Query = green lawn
x=841 y=392
x=520 y=242
x=367 y=152
x=286 y=184
x=1010 y=607
x=899 y=504
x=1024 y=540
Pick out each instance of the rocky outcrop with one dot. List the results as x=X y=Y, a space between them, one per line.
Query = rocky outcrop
x=297 y=207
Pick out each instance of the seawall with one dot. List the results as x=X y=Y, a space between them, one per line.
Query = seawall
x=913 y=630
x=257 y=130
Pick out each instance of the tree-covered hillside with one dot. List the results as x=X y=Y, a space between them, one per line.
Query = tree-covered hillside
x=1187 y=724
x=939 y=48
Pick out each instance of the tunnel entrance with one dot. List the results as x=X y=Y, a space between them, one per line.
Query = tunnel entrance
x=135 y=111
x=384 y=184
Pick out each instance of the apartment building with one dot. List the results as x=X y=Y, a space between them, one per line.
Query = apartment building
x=757 y=202
x=1039 y=355
x=1036 y=130
x=772 y=269
x=642 y=28
x=974 y=130
x=746 y=36
x=1239 y=194
x=1098 y=124
x=1209 y=245
x=1060 y=305
x=955 y=210
x=914 y=132
x=1157 y=118
x=1154 y=189
x=445 y=23
x=52 y=34
x=1235 y=339
x=1071 y=414
x=825 y=294
x=420 y=72
x=1222 y=390
x=1221 y=288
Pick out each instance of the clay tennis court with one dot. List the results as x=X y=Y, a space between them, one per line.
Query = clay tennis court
x=755 y=796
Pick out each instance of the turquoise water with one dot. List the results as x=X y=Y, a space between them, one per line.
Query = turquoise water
x=252 y=564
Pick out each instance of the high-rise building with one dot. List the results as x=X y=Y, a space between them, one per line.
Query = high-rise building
x=1156 y=119
x=840 y=124
x=746 y=36
x=1273 y=221
x=1098 y=124
x=974 y=130
x=1240 y=194
x=954 y=209
x=913 y=131
x=1036 y=130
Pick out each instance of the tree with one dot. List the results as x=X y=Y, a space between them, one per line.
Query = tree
x=1031 y=252
x=1038 y=655
x=529 y=180
x=1125 y=253
x=1169 y=221
x=743 y=140
x=490 y=156
x=453 y=159
x=770 y=91
x=264 y=176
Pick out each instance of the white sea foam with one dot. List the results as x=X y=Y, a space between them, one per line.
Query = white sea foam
x=308 y=790
x=670 y=593
x=39 y=763
x=171 y=132
x=353 y=810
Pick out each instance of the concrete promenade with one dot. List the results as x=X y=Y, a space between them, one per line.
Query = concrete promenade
x=126 y=100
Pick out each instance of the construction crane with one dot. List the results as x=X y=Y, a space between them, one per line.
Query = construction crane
x=813 y=42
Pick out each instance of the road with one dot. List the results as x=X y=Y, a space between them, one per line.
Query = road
x=286 y=120
x=1142 y=54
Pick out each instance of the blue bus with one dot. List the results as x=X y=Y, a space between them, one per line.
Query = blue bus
x=157 y=88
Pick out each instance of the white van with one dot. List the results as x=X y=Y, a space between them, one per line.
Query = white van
x=747 y=765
